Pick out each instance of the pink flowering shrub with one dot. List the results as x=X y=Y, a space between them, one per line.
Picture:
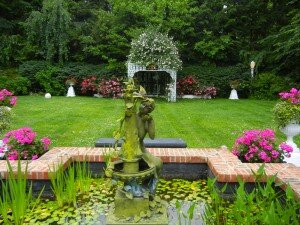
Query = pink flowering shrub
x=288 y=109
x=189 y=85
x=259 y=146
x=7 y=98
x=89 y=86
x=23 y=143
x=111 y=88
x=209 y=91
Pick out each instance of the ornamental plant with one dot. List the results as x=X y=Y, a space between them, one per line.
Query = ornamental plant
x=155 y=48
x=259 y=146
x=188 y=86
x=23 y=144
x=209 y=91
x=89 y=86
x=111 y=88
x=7 y=98
x=288 y=109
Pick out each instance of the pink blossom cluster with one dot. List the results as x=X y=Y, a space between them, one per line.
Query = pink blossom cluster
x=7 y=98
x=293 y=96
x=259 y=146
x=22 y=143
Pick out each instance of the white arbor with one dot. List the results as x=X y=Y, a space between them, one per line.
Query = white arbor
x=133 y=68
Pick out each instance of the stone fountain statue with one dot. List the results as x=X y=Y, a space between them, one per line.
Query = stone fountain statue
x=138 y=169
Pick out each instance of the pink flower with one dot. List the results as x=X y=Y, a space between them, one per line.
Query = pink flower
x=274 y=154
x=34 y=157
x=235 y=152
x=24 y=140
x=13 y=100
x=13 y=155
x=285 y=147
x=46 y=141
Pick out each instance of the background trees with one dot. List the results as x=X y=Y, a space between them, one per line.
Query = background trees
x=208 y=33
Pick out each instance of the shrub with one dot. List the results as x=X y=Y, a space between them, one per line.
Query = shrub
x=77 y=70
x=208 y=91
x=268 y=85
x=22 y=144
x=89 y=86
x=111 y=88
x=10 y=79
x=259 y=146
x=48 y=80
x=187 y=86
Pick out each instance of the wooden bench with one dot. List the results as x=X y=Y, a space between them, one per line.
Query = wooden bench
x=156 y=143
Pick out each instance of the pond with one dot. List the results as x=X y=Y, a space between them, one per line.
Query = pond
x=91 y=207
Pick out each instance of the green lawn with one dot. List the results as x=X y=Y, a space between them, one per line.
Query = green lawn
x=80 y=121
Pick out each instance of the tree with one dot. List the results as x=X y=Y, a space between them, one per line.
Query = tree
x=48 y=30
x=283 y=47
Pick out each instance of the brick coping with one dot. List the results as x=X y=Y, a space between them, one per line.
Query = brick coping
x=224 y=165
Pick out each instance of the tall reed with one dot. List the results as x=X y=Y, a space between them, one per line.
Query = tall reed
x=15 y=196
x=263 y=205
x=64 y=185
x=83 y=176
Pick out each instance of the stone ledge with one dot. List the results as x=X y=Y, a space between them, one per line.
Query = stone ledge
x=224 y=166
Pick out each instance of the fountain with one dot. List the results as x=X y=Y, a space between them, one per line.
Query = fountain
x=135 y=201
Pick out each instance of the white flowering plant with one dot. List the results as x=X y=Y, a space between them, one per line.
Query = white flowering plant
x=155 y=48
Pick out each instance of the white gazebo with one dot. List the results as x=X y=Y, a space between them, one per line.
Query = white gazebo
x=133 y=68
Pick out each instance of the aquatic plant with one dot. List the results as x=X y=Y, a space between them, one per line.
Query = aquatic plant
x=83 y=176
x=15 y=197
x=63 y=185
x=263 y=205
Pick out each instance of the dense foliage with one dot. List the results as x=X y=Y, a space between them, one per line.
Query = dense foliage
x=216 y=36
x=153 y=47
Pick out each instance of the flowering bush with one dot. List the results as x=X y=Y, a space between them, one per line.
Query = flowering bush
x=7 y=98
x=208 y=91
x=89 y=86
x=153 y=47
x=111 y=88
x=188 y=86
x=288 y=109
x=22 y=143
x=259 y=146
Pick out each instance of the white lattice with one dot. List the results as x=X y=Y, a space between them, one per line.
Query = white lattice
x=134 y=68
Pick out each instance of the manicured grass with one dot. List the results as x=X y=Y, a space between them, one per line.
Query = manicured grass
x=80 y=121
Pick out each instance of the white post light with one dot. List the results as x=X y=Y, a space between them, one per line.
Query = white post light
x=252 y=66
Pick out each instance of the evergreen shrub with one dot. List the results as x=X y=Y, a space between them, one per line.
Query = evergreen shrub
x=10 y=79
x=268 y=85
